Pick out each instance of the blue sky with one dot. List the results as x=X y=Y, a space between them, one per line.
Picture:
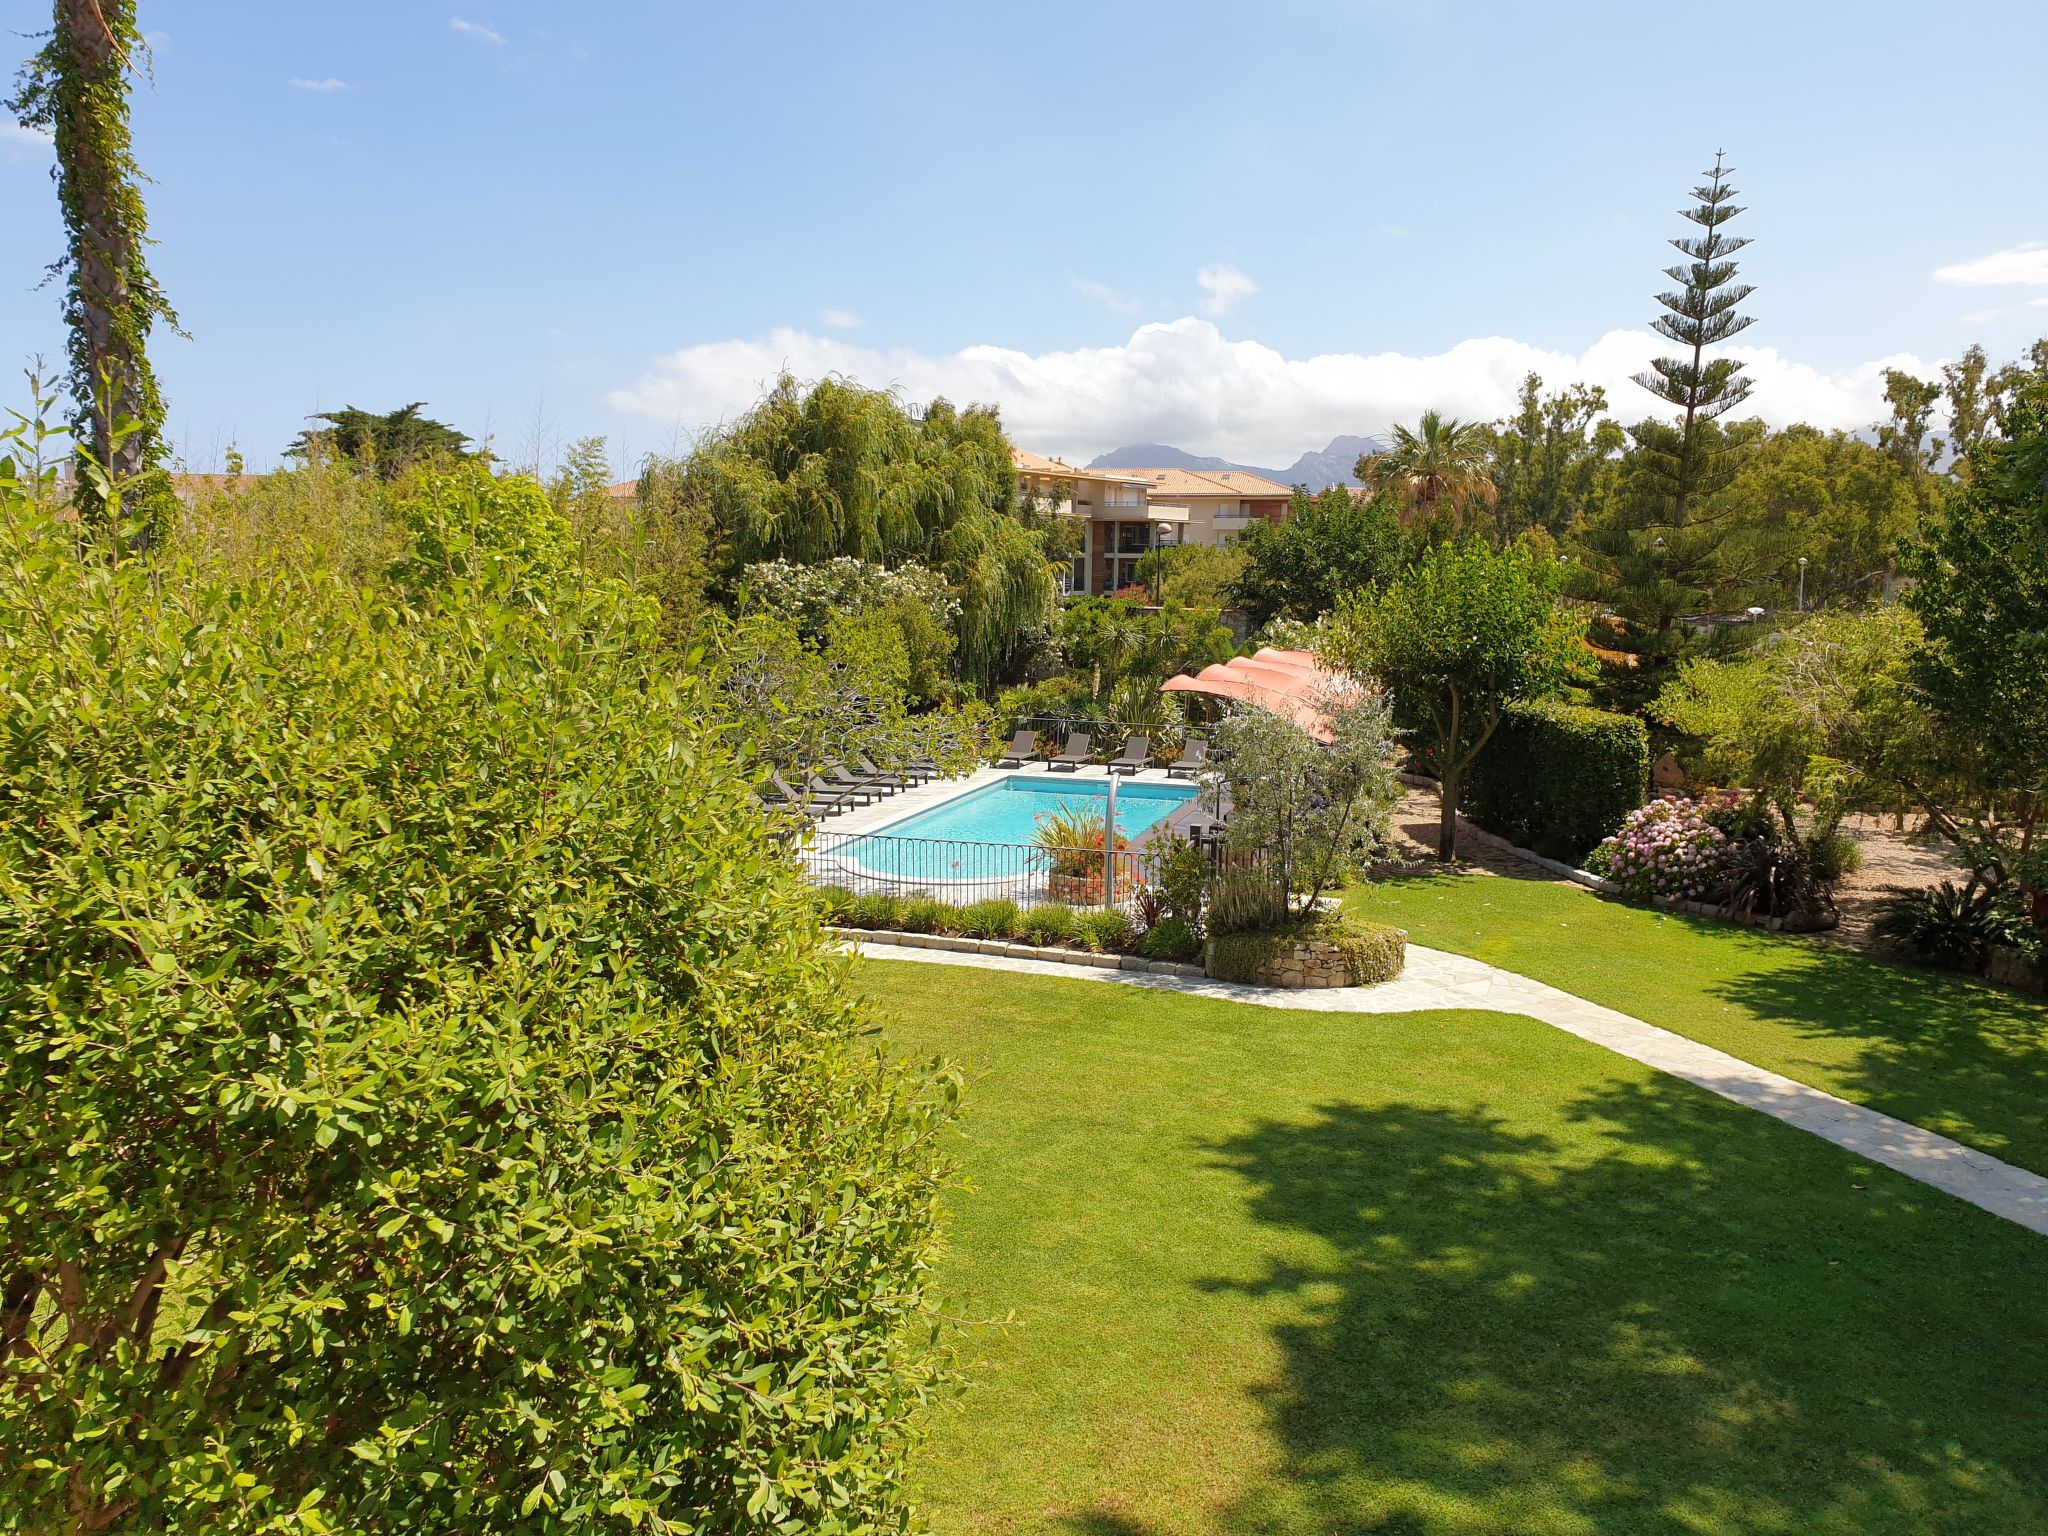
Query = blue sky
x=1239 y=229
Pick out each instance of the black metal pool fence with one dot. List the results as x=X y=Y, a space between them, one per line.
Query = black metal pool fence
x=961 y=873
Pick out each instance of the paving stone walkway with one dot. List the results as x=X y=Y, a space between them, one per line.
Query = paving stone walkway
x=1435 y=979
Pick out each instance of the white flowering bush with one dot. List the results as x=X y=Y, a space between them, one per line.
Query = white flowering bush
x=1666 y=848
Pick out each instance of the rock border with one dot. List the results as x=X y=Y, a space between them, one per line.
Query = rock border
x=1055 y=955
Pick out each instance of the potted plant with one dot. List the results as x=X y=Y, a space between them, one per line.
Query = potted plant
x=1073 y=837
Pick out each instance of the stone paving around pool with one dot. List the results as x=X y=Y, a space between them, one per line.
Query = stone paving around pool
x=1437 y=980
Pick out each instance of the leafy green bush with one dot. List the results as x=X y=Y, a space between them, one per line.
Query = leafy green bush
x=1105 y=930
x=1169 y=939
x=835 y=903
x=1180 y=872
x=1052 y=924
x=1558 y=777
x=464 y=521
x=921 y=914
x=427 y=1105
x=1374 y=952
x=1940 y=925
x=875 y=911
x=992 y=919
x=1246 y=899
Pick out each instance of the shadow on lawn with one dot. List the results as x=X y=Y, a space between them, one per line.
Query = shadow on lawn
x=1938 y=1049
x=1685 y=1319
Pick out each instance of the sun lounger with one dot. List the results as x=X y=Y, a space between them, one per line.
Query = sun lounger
x=887 y=780
x=1078 y=750
x=837 y=775
x=1193 y=759
x=1023 y=745
x=1137 y=754
x=825 y=798
x=833 y=798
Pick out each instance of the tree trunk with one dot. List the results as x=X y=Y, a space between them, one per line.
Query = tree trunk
x=107 y=245
x=1447 y=815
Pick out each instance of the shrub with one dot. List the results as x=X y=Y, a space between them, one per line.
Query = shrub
x=427 y=1105
x=1105 y=930
x=463 y=521
x=1941 y=925
x=921 y=914
x=1179 y=871
x=1667 y=848
x=1051 y=924
x=835 y=902
x=875 y=911
x=1246 y=899
x=1169 y=939
x=1558 y=777
x=1073 y=836
x=993 y=919
x=1374 y=952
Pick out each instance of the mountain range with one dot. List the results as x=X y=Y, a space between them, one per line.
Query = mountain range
x=1317 y=471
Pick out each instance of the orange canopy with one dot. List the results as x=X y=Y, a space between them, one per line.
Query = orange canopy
x=1291 y=684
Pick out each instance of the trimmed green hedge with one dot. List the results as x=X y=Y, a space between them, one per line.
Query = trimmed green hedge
x=1559 y=777
x=1374 y=951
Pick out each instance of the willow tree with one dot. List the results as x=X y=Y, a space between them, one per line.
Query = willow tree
x=812 y=474
x=75 y=88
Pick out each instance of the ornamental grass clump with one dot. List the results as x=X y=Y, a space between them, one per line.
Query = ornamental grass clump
x=1667 y=848
x=427 y=1104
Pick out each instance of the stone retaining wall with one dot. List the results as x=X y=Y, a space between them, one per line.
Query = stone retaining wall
x=1056 y=955
x=1310 y=963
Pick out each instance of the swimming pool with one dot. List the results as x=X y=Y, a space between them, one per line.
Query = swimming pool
x=930 y=849
x=1008 y=812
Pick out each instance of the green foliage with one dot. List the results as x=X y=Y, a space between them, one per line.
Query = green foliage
x=1105 y=930
x=1558 y=777
x=1821 y=713
x=835 y=904
x=1940 y=925
x=840 y=470
x=995 y=918
x=1049 y=925
x=1075 y=837
x=385 y=445
x=1454 y=638
x=1179 y=871
x=1436 y=471
x=1115 y=641
x=1171 y=938
x=1245 y=897
x=1326 y=547
x=875 y=911
x=922 y=914
x=1554 y=460
x=821 y=599
x=1373 y=952
x=427 y=1104
x=1980 y=590
x=1195 y=575
x=463 y=521
x=1309 y=811
x=76 y=89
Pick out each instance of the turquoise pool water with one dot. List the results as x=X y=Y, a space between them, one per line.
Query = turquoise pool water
x=982 y=838
x=1008 y=812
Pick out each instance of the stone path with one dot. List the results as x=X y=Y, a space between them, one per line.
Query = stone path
x=1435 y=979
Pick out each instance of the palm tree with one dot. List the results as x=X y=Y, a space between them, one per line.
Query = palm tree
x=1441 y=463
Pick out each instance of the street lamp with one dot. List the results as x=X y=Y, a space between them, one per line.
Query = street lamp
x=1802 y=583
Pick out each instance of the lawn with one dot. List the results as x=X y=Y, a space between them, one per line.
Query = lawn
x=1954 y=1055
x=1427 y=1274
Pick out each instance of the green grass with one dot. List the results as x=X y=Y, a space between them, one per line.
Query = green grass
x=1441 y=1274
x=1954 y=1055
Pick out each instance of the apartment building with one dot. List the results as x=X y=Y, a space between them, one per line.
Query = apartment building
x=1127 y=513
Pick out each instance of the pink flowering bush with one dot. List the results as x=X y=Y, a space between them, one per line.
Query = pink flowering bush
x=1667 y=848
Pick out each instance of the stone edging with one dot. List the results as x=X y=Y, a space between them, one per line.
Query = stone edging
x=1588 y=879
x=1003 y=947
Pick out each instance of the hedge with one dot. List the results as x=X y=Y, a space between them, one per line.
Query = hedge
x=1559 y=777
x=427 y=1103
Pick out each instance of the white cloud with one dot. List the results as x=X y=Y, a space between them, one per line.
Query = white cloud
x=1223 y=286
x=21 y=143
x=2023 y=264
x=321 y=86
x=1105 y=295
x=1184 y=382
x=2040 y=303
x=841 y=319
x=475 y=29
